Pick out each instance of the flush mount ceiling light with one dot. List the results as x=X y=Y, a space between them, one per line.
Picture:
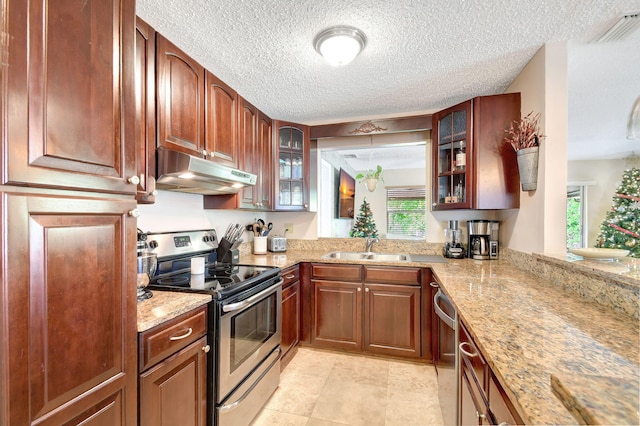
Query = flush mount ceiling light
x=340 y=45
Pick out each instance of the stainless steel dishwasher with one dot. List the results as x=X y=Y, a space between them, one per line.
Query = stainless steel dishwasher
x=446 y=356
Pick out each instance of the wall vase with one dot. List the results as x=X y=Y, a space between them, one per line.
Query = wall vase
x=528 y=167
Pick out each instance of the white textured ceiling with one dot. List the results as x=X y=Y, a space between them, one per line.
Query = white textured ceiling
x=421 y=56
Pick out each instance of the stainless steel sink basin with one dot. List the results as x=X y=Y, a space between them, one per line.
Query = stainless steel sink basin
x=381 y=257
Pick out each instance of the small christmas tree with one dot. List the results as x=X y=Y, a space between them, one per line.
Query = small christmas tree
x=621 y=227
x=364 y=226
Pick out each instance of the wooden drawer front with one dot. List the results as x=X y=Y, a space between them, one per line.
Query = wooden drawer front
x=337 y=272
x=474 y=364
x=290 y=276
x=161 y=341
x=386 y=275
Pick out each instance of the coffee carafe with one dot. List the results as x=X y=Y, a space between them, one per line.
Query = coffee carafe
x=453 y=241
x=483 y=239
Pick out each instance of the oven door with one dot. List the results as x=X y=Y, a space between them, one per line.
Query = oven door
x=250 y=330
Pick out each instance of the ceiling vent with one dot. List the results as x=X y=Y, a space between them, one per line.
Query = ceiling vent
x=620 y=30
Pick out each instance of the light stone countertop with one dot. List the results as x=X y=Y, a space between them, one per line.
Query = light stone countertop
x=530 y=329
x=527 y=328
x=166 y=305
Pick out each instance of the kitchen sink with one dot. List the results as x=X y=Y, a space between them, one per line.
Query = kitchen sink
x=381 y=257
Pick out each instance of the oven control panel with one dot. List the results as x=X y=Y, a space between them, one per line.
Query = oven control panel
x=167 y=244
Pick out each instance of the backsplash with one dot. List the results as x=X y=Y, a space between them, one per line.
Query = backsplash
x=608 y=284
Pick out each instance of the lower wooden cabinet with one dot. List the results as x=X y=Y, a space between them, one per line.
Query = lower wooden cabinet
x=482 y=400
x=173 y=378
x=290 y=314
x=367 y=308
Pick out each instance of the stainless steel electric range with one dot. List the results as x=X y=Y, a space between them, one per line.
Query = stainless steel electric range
x=245 y=319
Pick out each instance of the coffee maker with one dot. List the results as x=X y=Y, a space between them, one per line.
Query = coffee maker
x=483 y=239
x=453 y=241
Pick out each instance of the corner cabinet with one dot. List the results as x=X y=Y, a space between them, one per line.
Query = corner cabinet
x=292 y=173
x=472 y=167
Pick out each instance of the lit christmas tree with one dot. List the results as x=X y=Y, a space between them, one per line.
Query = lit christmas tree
x=364 y=226
x=621 y=227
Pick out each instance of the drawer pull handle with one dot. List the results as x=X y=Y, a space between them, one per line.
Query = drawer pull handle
x=206 y=348
x=182 y=336
x=290 y=276
x=480 y=415
x=434 y=284
x=467 y=353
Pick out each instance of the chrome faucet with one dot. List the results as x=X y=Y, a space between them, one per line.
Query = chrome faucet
x=370 y=242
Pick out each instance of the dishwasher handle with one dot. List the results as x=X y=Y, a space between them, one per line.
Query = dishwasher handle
x=440 y=296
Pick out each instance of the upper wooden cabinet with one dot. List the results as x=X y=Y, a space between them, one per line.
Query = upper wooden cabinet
x=264 y=152
x=180 y=93
x=472 y=167
x=67 y=95
x=247 y=138
x=221 y=143
x=292 y=174
x=145 y=111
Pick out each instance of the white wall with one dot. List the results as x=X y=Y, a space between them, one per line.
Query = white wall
x=540 y=223
x=606 y=176
x=175 y=211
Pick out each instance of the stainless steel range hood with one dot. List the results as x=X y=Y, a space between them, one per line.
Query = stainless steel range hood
x=182 y=172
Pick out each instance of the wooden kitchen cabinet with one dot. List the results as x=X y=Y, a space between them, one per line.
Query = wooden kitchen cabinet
x=292 y=175
x=337 y=314
x=180 y=94
x=221 y=142
x=173 y=377
x=255 y=145
x=392 y=311
x=145 y=111
x=290 y=314
x=485 y=176
x=68 y=297
x=367 y=308
x=265 y=162
x=69 y=83
x=482 y=399
x=71 y=305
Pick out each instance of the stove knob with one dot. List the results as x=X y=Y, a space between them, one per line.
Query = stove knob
x=152 y=244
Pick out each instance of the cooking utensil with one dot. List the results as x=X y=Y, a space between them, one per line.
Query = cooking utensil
x=269 y=228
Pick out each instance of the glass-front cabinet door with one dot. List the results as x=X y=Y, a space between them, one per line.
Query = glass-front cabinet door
x=292 y=183
x=452 y=129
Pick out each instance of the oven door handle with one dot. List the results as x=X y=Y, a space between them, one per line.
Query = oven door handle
x=251 y=300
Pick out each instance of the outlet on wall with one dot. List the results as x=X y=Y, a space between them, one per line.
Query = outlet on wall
x=288 y=227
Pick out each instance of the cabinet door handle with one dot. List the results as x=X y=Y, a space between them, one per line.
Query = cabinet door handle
x=467 y=353
x=206 y=348
x=182 y=336
x=366 y=290
x=290 y=276
x=434 y=284
x=480 y=415
x=359 y=289
x=134 y=180
x=134 y=213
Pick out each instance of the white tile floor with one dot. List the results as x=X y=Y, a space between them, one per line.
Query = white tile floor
x=321 y=387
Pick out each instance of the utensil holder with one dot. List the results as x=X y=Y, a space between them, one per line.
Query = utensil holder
x=259 y=245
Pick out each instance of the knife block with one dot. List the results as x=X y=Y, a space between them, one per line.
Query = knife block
x=227 y=253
